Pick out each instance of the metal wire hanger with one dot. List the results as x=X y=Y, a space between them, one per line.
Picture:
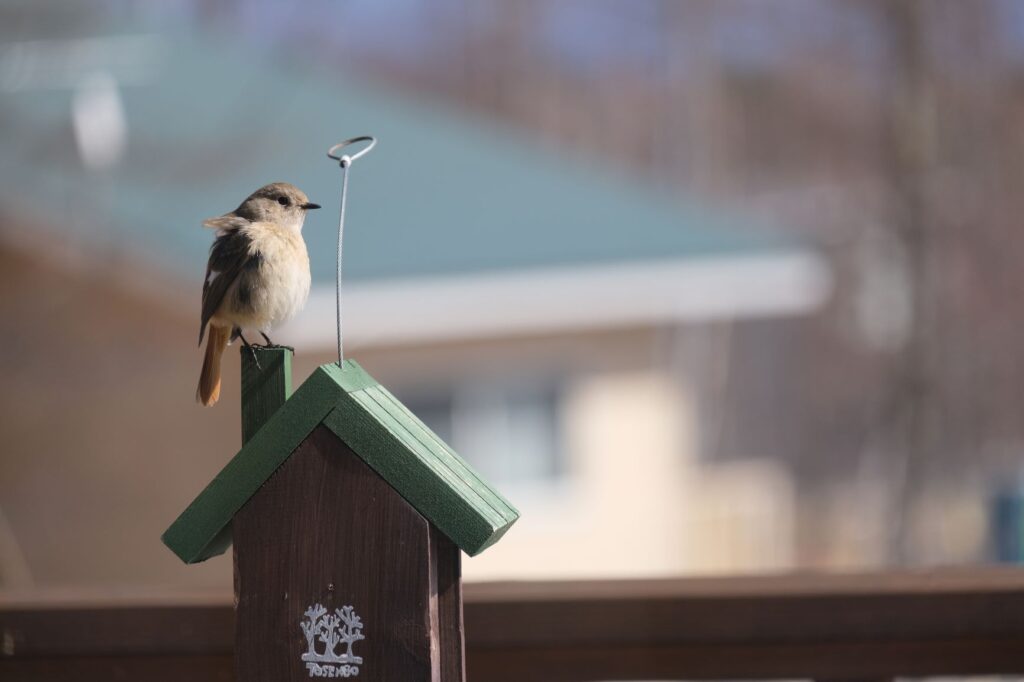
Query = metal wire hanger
x=345 y=161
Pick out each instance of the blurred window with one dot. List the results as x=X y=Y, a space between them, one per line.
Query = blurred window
x=510 y=431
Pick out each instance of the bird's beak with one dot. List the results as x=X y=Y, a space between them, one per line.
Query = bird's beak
x=309 y=205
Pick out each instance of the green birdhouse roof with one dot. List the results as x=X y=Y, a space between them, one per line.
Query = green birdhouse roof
x=435 y=480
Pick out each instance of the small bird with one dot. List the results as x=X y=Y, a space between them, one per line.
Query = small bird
x=257 y=276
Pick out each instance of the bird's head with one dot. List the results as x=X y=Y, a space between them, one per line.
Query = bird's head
x=281 y=203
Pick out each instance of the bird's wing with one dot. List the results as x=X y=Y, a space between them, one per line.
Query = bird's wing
x=230 y=254
x=225 y=223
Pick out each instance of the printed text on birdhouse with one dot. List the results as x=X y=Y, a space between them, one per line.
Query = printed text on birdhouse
x=331 y=630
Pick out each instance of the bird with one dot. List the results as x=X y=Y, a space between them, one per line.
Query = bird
x=257 y=276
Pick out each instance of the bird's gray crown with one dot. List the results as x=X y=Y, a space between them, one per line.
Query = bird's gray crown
x=279 y=202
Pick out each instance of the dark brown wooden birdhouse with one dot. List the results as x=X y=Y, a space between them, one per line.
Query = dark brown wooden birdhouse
x=347 y=516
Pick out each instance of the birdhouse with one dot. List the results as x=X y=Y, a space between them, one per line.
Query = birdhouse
x=347 y=516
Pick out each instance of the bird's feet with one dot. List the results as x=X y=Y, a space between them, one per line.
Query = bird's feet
x=252 y=350
x=271 y=344
x=278 y=345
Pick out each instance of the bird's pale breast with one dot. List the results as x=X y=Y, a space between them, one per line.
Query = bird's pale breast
x=277 y=286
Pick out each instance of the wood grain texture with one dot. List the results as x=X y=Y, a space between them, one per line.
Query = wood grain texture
x=326 y=529
x=451 y=634
x=426 y=472
x=582 y=664
x=266 y=385
x=174 y=668
x=765 y=660
x=115 y=630
x=792 y=609
x=429 y=474
x=396 y=444
x=877 y=624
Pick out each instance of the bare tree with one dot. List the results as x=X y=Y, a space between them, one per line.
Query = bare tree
x=907 y=409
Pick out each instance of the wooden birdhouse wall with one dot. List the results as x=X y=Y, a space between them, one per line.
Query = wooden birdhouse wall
x=326 y=532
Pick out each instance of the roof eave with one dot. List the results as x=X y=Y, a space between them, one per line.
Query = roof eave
x=788 y=282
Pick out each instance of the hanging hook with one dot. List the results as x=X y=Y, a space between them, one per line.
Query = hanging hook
x=345 y=160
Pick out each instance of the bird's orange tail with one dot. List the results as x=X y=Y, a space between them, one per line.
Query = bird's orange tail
x=209 y=379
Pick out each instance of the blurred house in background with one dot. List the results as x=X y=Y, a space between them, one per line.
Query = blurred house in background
x=563 y=254
x=542 y=317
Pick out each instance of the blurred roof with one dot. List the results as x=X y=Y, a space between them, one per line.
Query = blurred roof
x=442 y=198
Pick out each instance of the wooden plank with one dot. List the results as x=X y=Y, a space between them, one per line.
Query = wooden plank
x=939 y=582
x=433 y=618
x=406 y=464
x=350 y=376
x=736 y=611
x=266 y=385
x=935 y=604
x=60 y=631
x=451 y=470
x=884 y=624
x=107 y=668
x=451 y=634
x=746 y=661
x=560 y=664
x=411 y=423
x=326 y=529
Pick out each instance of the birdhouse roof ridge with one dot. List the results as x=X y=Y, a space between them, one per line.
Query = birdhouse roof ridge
x=379 y=429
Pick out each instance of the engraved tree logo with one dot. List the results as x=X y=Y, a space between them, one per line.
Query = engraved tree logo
x=311 y=628
x=331 y=629
x=352 y=631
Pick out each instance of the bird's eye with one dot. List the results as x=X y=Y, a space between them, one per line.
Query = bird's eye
x=283 y=201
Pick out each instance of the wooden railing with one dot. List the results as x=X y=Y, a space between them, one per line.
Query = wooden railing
x=867 y=626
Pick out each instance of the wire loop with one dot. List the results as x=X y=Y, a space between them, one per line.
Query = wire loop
x=351 y=141
x=345 y=161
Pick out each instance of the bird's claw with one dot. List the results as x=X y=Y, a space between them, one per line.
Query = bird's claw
x=255 y=356
x=277 y=345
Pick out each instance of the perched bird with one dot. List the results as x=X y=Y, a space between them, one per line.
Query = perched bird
x=257 y=276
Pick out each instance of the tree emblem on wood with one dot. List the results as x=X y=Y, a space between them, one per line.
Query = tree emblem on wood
x=331 y=629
